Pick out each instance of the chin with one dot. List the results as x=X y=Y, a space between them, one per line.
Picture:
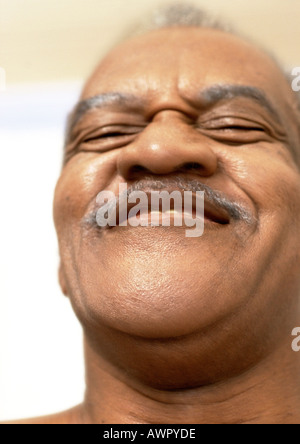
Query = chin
x=155 y=288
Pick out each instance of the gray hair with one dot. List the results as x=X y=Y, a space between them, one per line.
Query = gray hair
x=179 y=14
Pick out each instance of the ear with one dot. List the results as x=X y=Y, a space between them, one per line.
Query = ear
x=62 y=280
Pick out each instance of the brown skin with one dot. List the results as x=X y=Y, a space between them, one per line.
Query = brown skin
x=177 y=329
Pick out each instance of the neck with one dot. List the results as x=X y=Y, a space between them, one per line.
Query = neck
x=268 y=393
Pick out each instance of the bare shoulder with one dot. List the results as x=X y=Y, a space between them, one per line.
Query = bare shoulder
x=72 y=416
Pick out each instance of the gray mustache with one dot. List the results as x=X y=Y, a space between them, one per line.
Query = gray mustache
x=234 y=210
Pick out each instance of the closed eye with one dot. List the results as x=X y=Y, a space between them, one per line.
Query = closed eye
x=105 y=136
x=240 y=128
x=108 y=138
x=112 y=132
x=100 y=139
x=235 y=131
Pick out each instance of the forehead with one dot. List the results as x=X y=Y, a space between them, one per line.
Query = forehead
x=185 y=59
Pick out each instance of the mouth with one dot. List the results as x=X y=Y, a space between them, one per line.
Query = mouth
x=126 y=213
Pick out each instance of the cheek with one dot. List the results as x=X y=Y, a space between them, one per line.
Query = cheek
x=81 y=180
x=273 y=184
x=269 y=177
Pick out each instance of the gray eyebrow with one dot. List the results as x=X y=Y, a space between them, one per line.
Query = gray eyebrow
x=216 y=93
x=208 y=97
x=100 y=101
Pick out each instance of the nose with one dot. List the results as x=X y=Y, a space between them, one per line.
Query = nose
x=166 y=146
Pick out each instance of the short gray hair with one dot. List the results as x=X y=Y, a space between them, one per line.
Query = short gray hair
x=179 y=14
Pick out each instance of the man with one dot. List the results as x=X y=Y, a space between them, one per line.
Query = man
x=185 y=329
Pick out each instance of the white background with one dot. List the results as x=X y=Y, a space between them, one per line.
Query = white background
x=41 y=364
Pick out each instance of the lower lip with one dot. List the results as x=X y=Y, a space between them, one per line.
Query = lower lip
x=164 y=218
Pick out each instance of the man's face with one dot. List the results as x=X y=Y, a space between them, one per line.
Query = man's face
x=188 y=104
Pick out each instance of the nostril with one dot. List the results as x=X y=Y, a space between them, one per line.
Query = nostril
x=135 y=169
x=191 y=166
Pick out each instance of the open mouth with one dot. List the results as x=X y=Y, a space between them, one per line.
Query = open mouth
x=173 y=214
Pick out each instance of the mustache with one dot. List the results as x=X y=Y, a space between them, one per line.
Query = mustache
x=235 y=210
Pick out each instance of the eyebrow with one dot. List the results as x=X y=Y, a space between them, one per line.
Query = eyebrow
x=101 y=101
x=208 y=97
x=216 y=93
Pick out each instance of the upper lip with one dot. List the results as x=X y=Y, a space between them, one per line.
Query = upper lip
x=212 y=212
